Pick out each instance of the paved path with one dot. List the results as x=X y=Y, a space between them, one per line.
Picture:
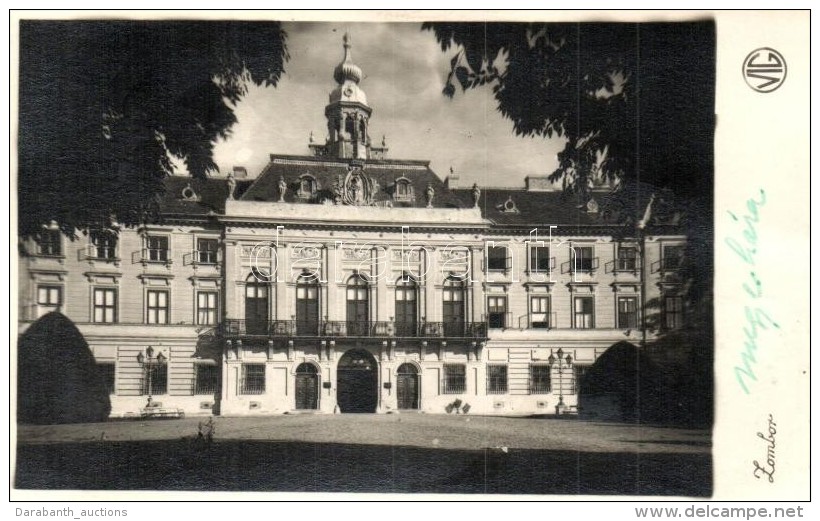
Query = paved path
x=369 y=453
x=410 y=430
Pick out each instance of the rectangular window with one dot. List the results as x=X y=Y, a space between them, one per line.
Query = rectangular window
x=156 y=379
x=496 y=379
x=49 y=298
x=157 y=249
x=540 y=261
x=627 y=312
x=540 y=379
x=672 y=312
x=497 y=258
x=105 y=305
x=579 y=373
x=207 y=250
x=497 y=312
x=107 y=372
x=627 y=258
x=672 y=256
x=157 y=307
x=206 y=314
x=104 y=245
x=540 y=312
x=49 y=243
x=455 y=379
x=583 y=307
x=207 y=379
x=584 y=258
x=253 y=379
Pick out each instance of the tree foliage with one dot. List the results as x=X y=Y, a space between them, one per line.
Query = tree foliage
x=632 y=101
x=104 y=105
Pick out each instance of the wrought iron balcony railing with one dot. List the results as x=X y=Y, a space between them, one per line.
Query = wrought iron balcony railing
x=342 y=328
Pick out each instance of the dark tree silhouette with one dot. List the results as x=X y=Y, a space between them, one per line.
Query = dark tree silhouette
x=105 y=104
x=57 y=378
x=632 y=101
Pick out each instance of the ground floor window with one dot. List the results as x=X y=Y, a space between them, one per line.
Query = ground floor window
x=207 y=379
x=253 y=379
x=155 y=381
x=496 y=379
x=540 y=381
x=455 y=379
x=627 y=312
x=107 y=372
x=49 y=299
x=579 y=372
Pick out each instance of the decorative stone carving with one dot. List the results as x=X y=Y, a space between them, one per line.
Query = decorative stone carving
x=405 y=255
x=476 y=195
x=355 y=254
x=355 y=189
x=306 y=252
x=283 y=187
x=429 y=194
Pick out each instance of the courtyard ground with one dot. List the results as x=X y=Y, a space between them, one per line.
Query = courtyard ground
x=402 y=453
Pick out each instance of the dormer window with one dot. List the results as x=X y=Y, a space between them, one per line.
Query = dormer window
x=403 y=191
x=307 y=187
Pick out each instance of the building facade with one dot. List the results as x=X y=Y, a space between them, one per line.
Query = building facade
x=346 y=281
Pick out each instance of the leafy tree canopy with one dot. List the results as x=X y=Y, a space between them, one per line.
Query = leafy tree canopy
x=633 y=101
x=105 y=104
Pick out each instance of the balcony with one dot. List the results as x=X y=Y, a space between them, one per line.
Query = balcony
x=357 y=329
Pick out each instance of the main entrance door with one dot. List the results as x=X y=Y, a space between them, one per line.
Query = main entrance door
x=357 y=382
x=407 y=387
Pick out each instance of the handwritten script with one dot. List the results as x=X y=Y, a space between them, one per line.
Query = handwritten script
x=767 y=469
x=746 y=248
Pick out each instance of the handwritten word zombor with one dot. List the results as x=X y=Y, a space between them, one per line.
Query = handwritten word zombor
x=768 y=469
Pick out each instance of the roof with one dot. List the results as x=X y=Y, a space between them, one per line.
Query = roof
x=208 y=195
x=326 y=172
x=518 y=207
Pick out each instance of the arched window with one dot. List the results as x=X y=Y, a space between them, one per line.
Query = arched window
x=403 y=190
x=453 y=306
x=256 y=305
x=307 y=305
x=350 y=126
x=406 y=306
x=307 y=186
x=358 y=317
x=362 y=131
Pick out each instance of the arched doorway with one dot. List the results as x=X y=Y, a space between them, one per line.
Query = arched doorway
x=357 y=382
x=407 y=387
x=307 y=387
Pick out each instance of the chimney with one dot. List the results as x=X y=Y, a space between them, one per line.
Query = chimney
x=451 y=181
x=538 y=184
x=240 y=172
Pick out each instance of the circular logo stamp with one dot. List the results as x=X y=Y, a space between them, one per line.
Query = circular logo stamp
x=764 y=69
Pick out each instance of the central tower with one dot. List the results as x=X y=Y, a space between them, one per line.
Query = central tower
x=348 y=115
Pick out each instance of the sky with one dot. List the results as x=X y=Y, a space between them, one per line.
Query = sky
x=404 y=74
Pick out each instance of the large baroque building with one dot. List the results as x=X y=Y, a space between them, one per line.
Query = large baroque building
x=347 y=281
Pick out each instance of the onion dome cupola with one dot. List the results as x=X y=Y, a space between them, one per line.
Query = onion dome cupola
x=347 y=113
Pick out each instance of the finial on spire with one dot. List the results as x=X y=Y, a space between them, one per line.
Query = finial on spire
x=347 y=70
